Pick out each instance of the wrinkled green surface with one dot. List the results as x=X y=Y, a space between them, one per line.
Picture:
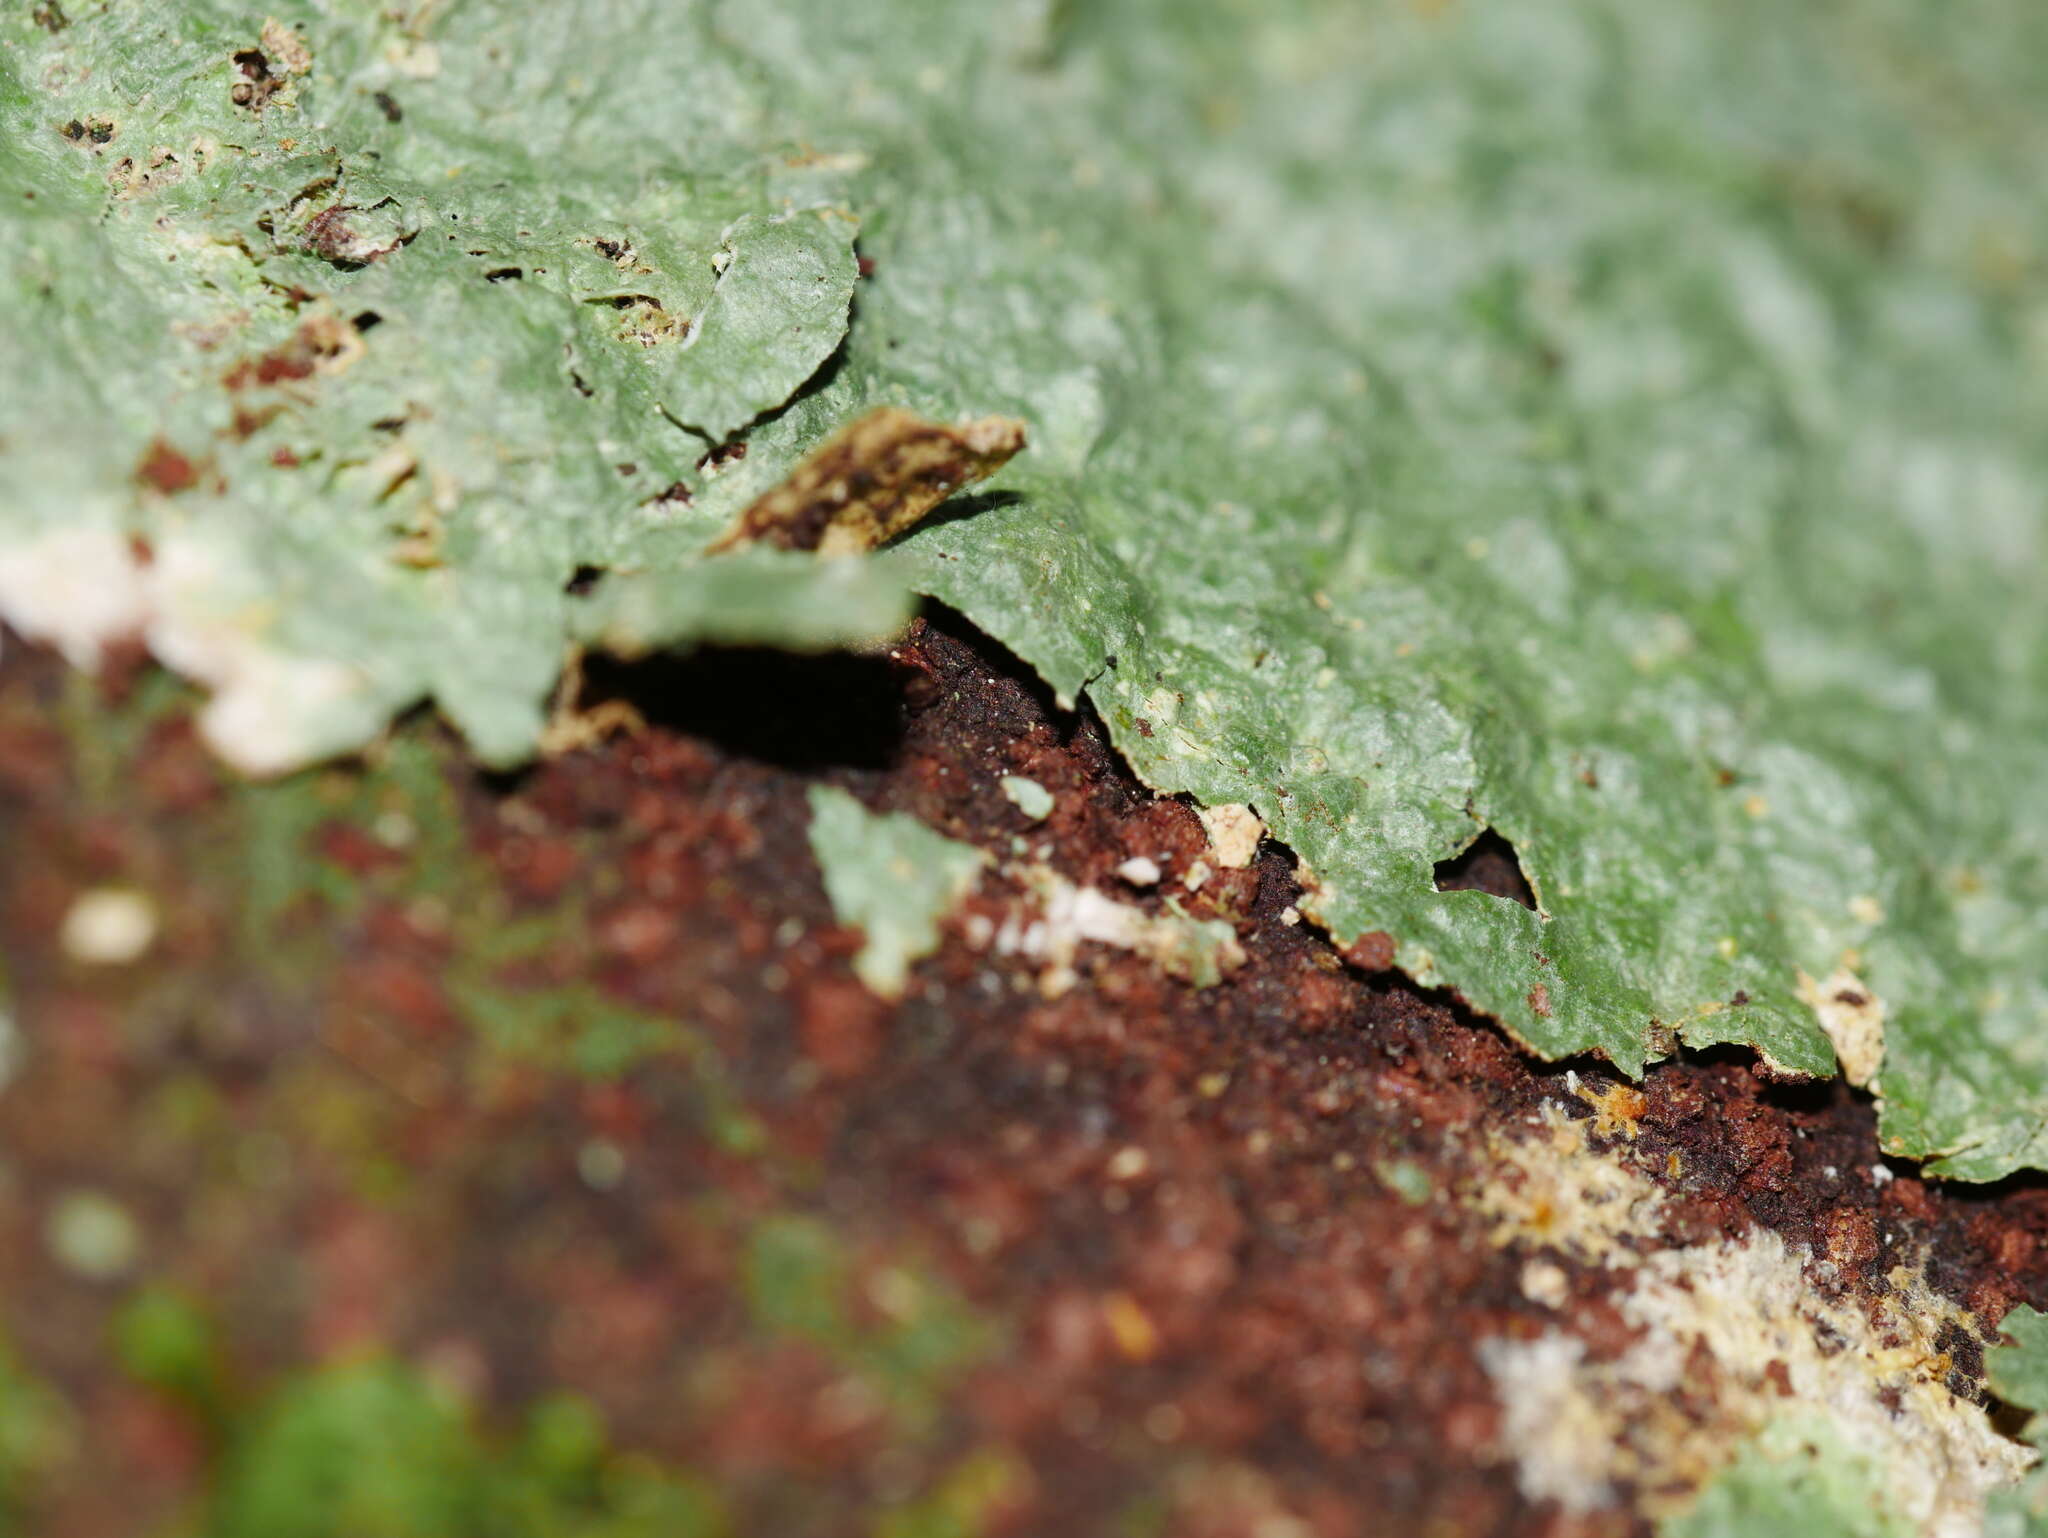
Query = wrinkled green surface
x=1612 y=423
x=891 y=877
x=2017 y=1372
x=1796 y=1476
x=566 y=301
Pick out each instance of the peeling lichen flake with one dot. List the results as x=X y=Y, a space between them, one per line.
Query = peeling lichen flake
x=892 y=878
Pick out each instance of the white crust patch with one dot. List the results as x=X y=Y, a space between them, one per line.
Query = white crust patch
x=1200 y=951
x=79 y=590
x=1733 y=1336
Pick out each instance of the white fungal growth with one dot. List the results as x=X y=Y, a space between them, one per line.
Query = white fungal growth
x=1732 y=1336
x=1202 y=951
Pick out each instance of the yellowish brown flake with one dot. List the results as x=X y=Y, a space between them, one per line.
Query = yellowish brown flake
x=1130 y=1326
x=873 y=480
x=1853 y=1018
x=285 y=49
x=1616 y=1109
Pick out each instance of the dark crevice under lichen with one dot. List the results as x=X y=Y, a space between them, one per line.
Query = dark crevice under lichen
x=1185 y=1222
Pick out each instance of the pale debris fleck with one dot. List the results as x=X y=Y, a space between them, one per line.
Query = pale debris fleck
x=285 y=47
x=109 y=926
x=1853 y=1018
x=1128 y=1163
x=1234 y=833
x=1028 y=796
x=873 y=480
x=1544 y=1282
x=1200 y=951
x=1194 y=877
x=1139 y=871
x=92 y=1235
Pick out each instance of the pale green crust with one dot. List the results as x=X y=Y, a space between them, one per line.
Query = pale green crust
x=1613 y=424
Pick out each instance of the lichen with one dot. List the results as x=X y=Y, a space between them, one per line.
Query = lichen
x=892 y=878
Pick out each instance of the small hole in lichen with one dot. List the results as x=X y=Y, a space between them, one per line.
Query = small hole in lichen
x=1488 y=864
x=503 y=275
x=366 y=319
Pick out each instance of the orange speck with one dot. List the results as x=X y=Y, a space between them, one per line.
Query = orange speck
x=1136 y=1336
x=1616 y=1109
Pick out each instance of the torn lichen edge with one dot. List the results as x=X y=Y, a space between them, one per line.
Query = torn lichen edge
x=81 y=589
x=1381 y=951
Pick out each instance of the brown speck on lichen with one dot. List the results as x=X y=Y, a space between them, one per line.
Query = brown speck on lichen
x=163 y=468
x=645 y=320
x=323 y=344
x=1539 y=1000
x=873 y=480
x=330 y=236
x=617 y=250
x=93 y=131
